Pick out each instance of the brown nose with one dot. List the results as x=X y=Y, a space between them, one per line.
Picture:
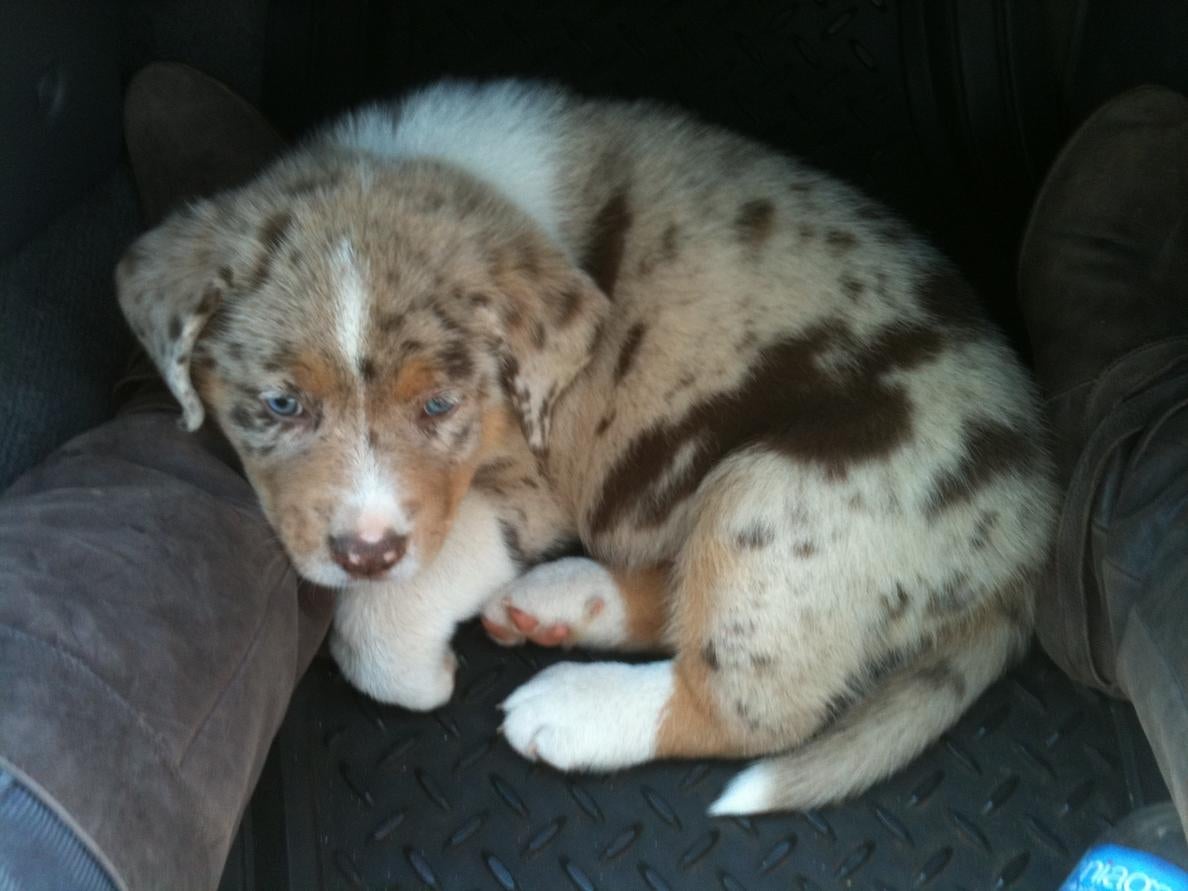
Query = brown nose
x=364 y=559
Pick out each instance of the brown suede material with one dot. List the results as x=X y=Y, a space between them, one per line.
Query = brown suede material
x=151 y=628
x=1103 y=284
x=150 y=638
x=1104 y=261
x=188 y=136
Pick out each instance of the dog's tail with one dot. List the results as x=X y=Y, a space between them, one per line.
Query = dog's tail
x=884 y=731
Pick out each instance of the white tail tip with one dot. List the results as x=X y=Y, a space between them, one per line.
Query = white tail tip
x=747 y=793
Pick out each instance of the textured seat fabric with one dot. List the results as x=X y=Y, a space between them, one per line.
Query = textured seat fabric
x=62 y=341
x=150 y=638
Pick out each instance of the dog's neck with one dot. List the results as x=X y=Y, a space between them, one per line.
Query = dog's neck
x=504 y=134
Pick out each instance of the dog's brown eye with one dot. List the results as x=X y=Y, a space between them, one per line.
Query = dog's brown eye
x=439 y=406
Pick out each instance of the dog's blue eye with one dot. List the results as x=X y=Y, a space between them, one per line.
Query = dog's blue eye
x=438 y=406
x=283 y=405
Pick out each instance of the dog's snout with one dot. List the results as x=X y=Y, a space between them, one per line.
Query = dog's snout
x=364 y=556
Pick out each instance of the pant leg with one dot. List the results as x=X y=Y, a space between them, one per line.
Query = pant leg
x=1144 y=570
x=38 y=850
x=151 y=634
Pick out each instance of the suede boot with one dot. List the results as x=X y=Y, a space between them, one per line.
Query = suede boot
x=1103 y=282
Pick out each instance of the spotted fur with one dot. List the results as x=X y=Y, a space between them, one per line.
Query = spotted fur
x=798 y=457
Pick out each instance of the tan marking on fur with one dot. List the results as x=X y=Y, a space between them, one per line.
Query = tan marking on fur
x=691 y=725
x=497 y=424
x=415 y=379
x=645 y=598
x=317 y=376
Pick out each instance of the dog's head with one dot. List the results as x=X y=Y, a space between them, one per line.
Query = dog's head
x=364 y=335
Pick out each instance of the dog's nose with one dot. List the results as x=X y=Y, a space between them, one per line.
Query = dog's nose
x=367 y=556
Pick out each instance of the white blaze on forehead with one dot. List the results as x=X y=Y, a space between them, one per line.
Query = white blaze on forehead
x=351 y=303
x=374 y=504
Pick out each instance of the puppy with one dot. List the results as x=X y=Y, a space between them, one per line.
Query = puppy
x=455 y=336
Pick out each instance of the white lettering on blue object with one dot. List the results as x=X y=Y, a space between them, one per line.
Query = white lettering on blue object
x=1112 y=868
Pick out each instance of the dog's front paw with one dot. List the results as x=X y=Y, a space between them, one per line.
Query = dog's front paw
x=566 y=602
x=384 y=671
x=597 y=716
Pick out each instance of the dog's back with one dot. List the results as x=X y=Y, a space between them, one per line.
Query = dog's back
x=798 y=404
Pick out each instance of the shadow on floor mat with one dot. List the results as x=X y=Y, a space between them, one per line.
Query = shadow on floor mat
x=376 y=797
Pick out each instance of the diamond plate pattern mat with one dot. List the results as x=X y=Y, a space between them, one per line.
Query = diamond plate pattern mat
x=377 y=797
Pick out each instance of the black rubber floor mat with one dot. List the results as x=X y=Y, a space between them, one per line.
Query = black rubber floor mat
x=376 y=797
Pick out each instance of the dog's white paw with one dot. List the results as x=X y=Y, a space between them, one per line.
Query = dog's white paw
x=385 y=672
x=597 y=716
x=565 y=602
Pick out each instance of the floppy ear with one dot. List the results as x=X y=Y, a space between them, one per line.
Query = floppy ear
x=169 y=285
x=549 y=316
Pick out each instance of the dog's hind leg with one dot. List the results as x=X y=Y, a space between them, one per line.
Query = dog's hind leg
x=783 y=634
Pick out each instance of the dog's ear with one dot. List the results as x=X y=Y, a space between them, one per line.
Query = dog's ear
x=549 y=316
x=170 y=282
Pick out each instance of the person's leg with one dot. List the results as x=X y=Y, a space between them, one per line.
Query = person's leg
x=151 y=627
x=39 y=851
x=1103 y=276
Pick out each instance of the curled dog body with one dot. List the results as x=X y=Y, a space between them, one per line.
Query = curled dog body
x=454 y=336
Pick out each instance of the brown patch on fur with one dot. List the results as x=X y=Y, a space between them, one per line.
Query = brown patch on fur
x=982 y=529
x=841 y=241
x=645 y=598
x=271 y=237
x=310 y=183
x=604 y=424
x=415 y=379
x=511 y=540
x=439 y=487
x=297 y=519
x=317 y=376
x=754 y=222
x=669 y=243
x=804 y=549
x=496 y=424
x=789 y=404
x=709 y=655
x=667 y=251
x=755 y=537
x=951 y=596
x=942 y=676
x=992 y=449
x=852 y=287
x=568 y=306
x=492 y=478
x=455 y=358
x=608 y=239
x=895 y=604
x=691 y=725
x=629 y=350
